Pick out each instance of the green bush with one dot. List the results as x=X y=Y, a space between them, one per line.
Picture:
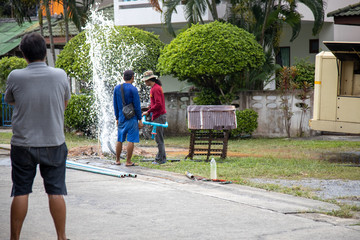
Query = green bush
x=79 y=115
x=305 y=73
x=207 y=54
x=74 y=59
x=246 y=123
x=1 y=123
x=7 y=64
x=206 y=97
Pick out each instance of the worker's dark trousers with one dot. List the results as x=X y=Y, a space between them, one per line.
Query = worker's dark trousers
x=159 y=138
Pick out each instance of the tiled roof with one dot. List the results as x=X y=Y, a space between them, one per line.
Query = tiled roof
x=351 y=10
x=58 y=29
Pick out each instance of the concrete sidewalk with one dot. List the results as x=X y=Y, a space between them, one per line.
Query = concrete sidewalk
x=162 y=205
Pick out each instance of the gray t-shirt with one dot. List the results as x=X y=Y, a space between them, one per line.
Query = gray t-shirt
x=39 y=93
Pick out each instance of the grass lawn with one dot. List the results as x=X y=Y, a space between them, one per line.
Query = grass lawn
x=258 y=158
x=270 y=158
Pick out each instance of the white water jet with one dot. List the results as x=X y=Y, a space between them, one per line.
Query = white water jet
x=108 y=61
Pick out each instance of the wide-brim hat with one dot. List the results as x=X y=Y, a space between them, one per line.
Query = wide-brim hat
x=148 y=75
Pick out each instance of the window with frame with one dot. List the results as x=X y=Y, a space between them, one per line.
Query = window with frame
x=283 y=56
x=314 y=46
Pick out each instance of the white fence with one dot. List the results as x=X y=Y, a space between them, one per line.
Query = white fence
x=266 y=103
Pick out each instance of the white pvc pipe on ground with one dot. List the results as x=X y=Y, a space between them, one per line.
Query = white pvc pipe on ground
x=105 y=171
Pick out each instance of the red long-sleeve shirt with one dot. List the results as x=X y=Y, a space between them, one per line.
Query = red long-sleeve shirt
x=157 y=101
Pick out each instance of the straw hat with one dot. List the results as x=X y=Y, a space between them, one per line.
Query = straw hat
x=148 y=75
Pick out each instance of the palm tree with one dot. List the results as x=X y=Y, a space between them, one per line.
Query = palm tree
x=22 y=10
x=78 y=11
x=46 y=4
x=193 y=10
x=265 y=19
x=66 y=19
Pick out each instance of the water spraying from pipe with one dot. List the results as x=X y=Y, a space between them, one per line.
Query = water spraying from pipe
x=108 y=60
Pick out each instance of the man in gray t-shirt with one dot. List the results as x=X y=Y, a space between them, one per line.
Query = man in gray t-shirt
x=39 y=94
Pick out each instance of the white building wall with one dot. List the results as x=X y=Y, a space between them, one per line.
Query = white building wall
x=141 y=13
x=299 y=48
x=330 y=5
x=346 y=33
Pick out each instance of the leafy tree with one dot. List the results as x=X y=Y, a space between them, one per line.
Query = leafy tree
x=23 y=10
x=208 y=55
x=7 y=64
x=265 y=19
x=72 y=62
x=76 y=63
x=78 y=11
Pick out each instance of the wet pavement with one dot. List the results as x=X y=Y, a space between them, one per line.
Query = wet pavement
x=163 y=205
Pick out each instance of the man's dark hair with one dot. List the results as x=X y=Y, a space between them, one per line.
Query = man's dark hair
x=128 y=74
x=33 y=47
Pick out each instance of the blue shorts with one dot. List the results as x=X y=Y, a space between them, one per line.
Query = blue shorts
x=52 y=161
x=129 y=130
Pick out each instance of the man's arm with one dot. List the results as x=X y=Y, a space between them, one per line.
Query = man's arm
x=9 y=97
x=66 y=103
x=116 y=109
x=136 y=103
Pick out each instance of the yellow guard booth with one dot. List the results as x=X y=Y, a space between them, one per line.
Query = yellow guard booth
x=337 y=89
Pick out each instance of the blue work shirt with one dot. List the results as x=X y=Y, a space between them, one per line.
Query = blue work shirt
x=131 y=95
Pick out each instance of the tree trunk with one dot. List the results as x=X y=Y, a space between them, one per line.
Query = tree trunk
x=212 y=8
x=66 y=20
x=268 y=6
x=41 y=25
x=48 y=17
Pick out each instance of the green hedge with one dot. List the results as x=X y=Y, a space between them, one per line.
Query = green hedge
x=74 y=59
x=305 y=73
x=79 y=115
x=7 y=64
x=246 y=123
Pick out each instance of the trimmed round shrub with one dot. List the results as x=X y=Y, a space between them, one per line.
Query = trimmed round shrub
x=208 y=51
x=246 y=123
x=74 y=59
x=208 y=54
x=79 y=115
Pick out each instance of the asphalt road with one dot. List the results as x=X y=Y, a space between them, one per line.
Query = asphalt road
x=162 y=205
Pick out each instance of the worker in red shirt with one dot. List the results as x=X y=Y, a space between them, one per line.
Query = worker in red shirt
x=158 y=111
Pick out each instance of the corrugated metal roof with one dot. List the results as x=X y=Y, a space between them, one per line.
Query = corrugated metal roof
x=58 y=29
x=351 y=10
x=11 y=32
x=217 y=117
x=8 y=32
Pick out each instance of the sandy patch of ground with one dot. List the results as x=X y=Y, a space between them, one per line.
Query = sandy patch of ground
x=138 y=150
